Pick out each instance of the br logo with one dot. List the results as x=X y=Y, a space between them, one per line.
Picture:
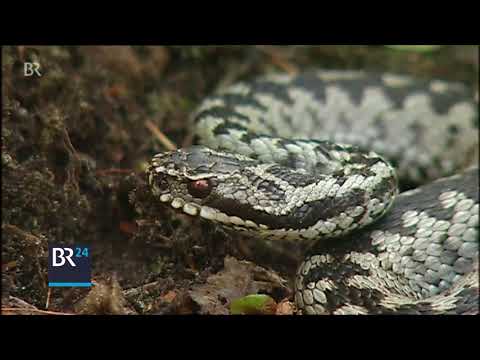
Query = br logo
x=69 y=266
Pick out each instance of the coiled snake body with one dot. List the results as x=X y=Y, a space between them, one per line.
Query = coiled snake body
x=319 y=158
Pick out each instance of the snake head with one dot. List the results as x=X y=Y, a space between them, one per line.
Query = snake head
x=234 y=191
x=202 y=182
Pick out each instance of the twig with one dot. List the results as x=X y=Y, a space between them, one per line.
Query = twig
x=36 y=311
x=279 y=61
x=9 y=266
x=47 y=304
x=69 y=146
x=169 y=145
x=20 y=303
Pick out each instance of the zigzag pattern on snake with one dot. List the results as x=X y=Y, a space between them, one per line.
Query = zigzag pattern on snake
x=319 y=158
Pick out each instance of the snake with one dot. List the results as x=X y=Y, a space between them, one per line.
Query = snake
x=374 y=172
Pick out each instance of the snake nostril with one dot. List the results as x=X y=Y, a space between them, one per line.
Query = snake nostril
x=162 y=184
x=158 y=181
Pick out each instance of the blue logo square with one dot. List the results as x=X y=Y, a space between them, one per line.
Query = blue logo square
x=69 y=266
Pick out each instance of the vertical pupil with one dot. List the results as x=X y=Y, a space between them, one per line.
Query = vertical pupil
x=199 y=188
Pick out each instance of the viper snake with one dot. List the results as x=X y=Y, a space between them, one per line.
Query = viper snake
x=373 y=172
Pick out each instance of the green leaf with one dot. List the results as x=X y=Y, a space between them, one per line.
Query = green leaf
x=253 y=304
x=415 y=48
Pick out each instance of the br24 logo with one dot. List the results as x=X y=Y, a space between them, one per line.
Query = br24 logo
x=61 y=255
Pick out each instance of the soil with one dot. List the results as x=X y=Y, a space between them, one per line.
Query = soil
x=77 y=139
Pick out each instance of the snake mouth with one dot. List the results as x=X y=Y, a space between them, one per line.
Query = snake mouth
x=208 y=213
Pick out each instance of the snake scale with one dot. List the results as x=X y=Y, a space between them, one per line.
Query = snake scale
x=319 y=158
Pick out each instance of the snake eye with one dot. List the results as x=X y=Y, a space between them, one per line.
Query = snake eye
x=199 y=188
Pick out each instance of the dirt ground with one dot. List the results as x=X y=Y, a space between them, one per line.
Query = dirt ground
x=77 y=139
